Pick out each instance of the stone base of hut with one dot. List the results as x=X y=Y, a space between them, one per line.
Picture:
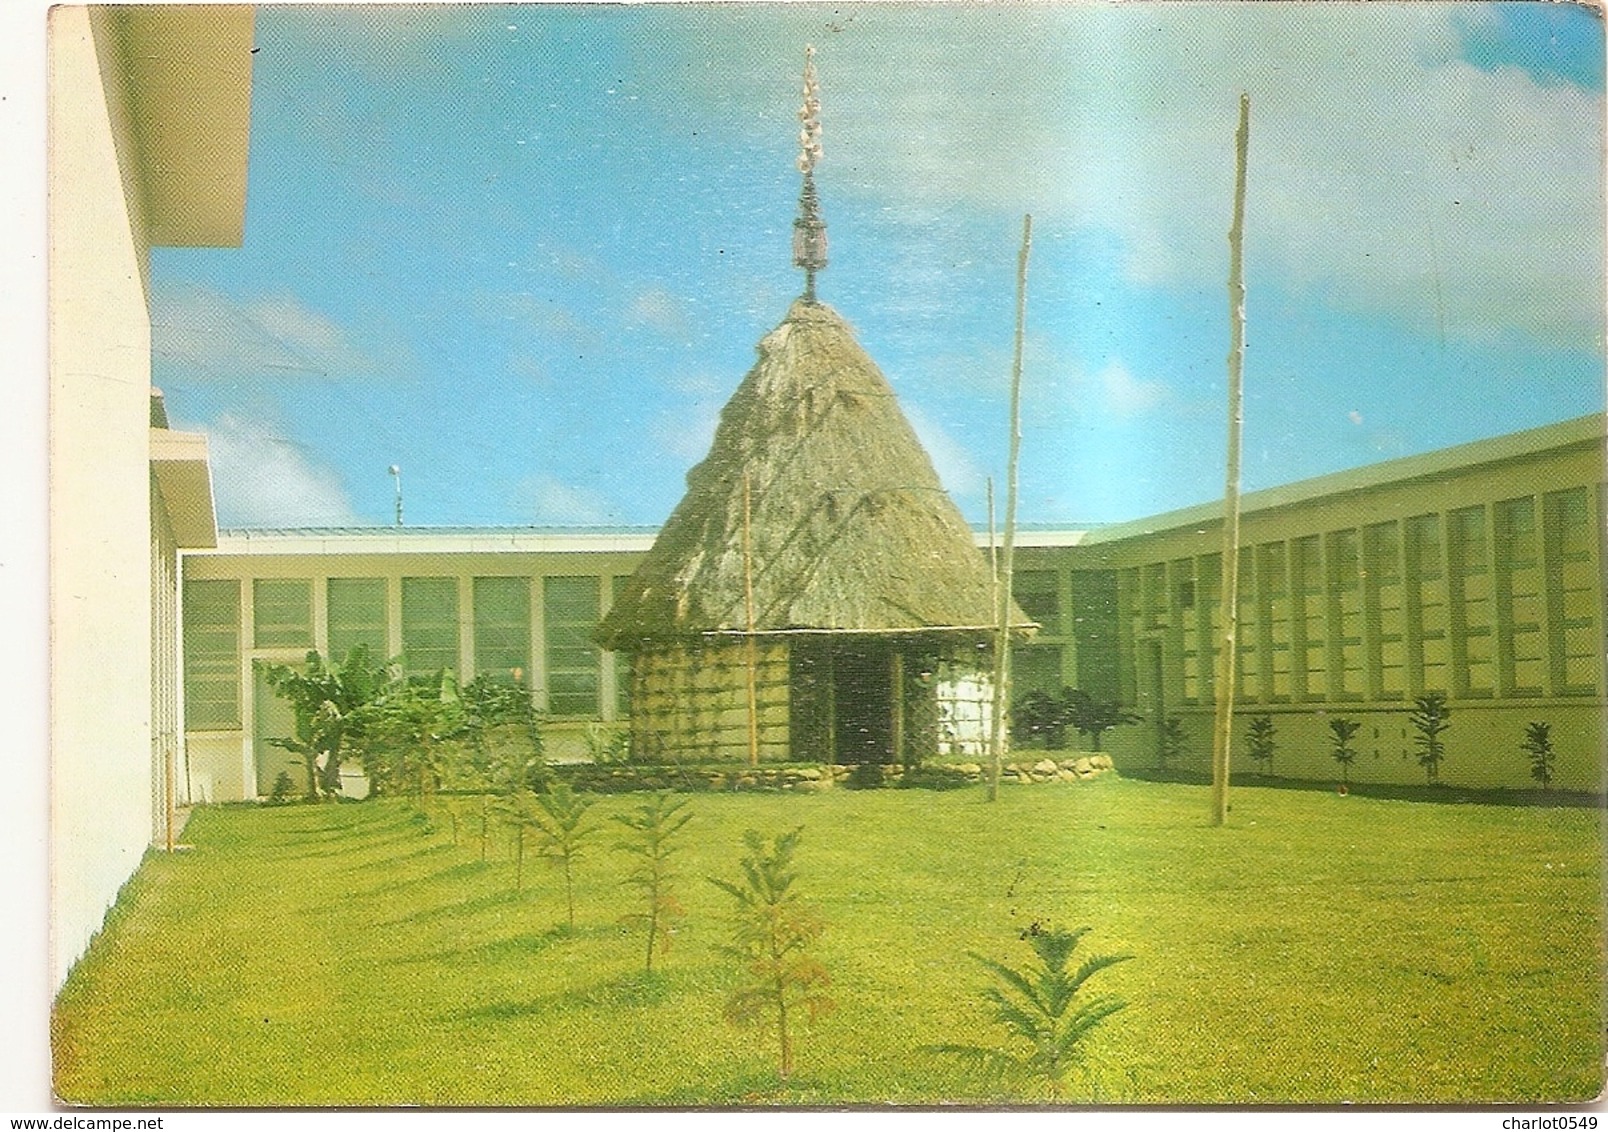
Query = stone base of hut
x=823 y=698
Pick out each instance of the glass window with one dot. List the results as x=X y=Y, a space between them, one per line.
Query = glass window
x=1572 y=581
x=429 y=625
x=356 y=610
x=1385 y=615
x=1181 y=575
x=1428 y=651
x=1310 y=644
x=1519 y=597
x=502 y=628
x=1468 y=578
x=282 y=613
x=1273 y=597
x=622 y=660
x=1038 y=594
x=1346 y=677
x=211 y=655
x=1248 y=637
x=570 y=614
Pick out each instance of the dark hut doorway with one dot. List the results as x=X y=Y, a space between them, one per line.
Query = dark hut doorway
x=863 y=691
x=843 y=705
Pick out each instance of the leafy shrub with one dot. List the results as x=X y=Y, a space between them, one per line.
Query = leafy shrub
x=1538 y=745
x=1430 y=717
x=773 y=928
x=1039 y=717
x=1341 y=733
x=1043 y=1014
x=284 y=787
x=1170 y=741
x=653 y=827
x=327 y=702
x=1259 y=739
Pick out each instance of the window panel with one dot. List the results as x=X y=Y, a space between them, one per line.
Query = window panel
x=1310 y=647
x=1346 y=678
x=1035 y=668
x=1519 y=597
x=1469 y=598
x=622 y=661
x=1572 y=582
x=1385 y=617
x=282 y=613
x=356 y=615
x=1038 y=594
x=1181 y=576
x=429 y=625
x=570 y=614
x=1248 y=635
x=1428 y=652
x=502 y=628
x=1273 y=598
x=211 y=655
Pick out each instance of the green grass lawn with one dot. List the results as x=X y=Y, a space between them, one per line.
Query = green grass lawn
x=1319 y=949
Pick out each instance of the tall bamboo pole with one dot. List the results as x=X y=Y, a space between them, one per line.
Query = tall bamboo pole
x=748 y=604
x=1002 y=645
x=1223 y=728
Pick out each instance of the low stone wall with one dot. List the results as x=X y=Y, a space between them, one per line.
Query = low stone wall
x=815 y=779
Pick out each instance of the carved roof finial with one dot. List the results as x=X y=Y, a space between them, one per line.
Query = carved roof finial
x=809 y=230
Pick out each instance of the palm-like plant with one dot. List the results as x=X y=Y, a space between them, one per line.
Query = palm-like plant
x=1259 y=738
x=1043 y=1012
x=1342 y=731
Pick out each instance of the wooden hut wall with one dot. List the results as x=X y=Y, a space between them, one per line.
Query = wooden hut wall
x=964 y=693
x=690 y=702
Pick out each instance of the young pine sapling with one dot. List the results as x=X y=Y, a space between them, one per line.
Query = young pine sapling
x=1342 y=731
x=518 y=811
x=773 y=929
x=1043 y=1013
x=560 y=819
x=1429 y=718
x=653 y=827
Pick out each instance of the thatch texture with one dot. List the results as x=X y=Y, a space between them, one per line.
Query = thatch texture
x=848 y=527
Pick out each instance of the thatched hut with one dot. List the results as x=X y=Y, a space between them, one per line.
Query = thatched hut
x=816 y=595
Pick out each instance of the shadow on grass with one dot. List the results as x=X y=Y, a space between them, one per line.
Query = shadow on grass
x=460 y=871
x=1439 y=793
x=636 y=989
x=513 y=947
x=483 y=903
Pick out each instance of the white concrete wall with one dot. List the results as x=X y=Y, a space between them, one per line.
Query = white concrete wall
x=100 y=518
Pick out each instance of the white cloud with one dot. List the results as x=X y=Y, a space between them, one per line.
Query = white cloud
x=956 y=469
x=687 y=433
x=1125 y=395
x=551 y=501
x=657 y=309
x=1386 y=175
x=263 y=479
x=200 y=329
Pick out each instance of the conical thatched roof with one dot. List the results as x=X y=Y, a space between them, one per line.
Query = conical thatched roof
x=848 y=525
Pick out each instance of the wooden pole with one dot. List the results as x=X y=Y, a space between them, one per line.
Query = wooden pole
x=748 y=603
x=1223 y=729
x=1002 y=645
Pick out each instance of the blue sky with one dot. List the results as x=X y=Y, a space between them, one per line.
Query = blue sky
x=525 y=252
